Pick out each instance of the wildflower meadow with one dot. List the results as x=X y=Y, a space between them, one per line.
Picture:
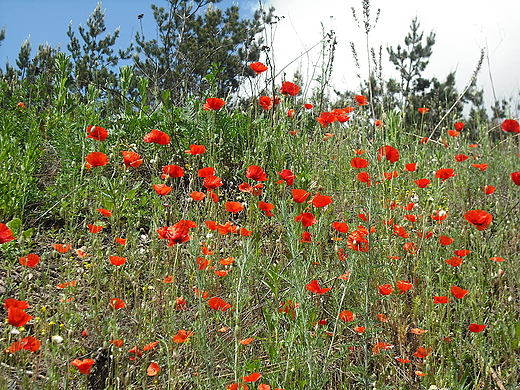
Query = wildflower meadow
x=272 y=242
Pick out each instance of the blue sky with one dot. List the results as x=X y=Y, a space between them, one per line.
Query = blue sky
x=463 y=28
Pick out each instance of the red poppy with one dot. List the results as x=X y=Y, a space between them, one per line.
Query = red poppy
x=454 y=261
x=178 y=233
x=212 y=182
x=84 y=365
x=453 y=133
x=388 y=152
x=361 y=100
x=258 y=67
x=196 y=195
x=29 y=343
x=308 y=106
x=171 y=171
x=17 y=317
x=476 y=328
x=385 y=289
x=479 y=218
x=357 y=241
x=299 y=196
x=121 y=241
x=347 y=316
x=306 y=237
x=157 y=137
x=105 y=212
x=289 y=88
x=234 y=207
x=515 y=176
x=72 y=283
x=307 y=219
x=217 y=303
x=182 y=336
x=423 y=110
x=254 y=172
x=214 y=104
x=488 y=190
x=196 y=149
x=341 y=227
x=287 y=176
x=458 y=292
x=31 y=260
x=376 y=349
x=404 y=361
x=411 y=167
x=326 y=118
x=162 y=189
x=117 y=260
x=461 y=157
x=96 y=159
x=459 y=126
x=497 y=259
x=441 y=299
x=153 y=369
x=445 y=240
x=404 y=285
x=422 y=183
x=482 y=166
x=422 y=352
x=97 y=133
x=62 y=248
x=439 y=215
x=444 y=174
x=364 y=177
x=266 y=208
x=321 y=201
x=6 y=235
x=205 y=172
x=253 y=190
x=462 y=252
x=418 y=331
x=265 y=102
x=410 y=247
x=131 y=159
x=315 y=287
x=251 y=378
x=94 y=229
x=511 y=126
x=390 y=175
x=117 y=303
x=358 y=163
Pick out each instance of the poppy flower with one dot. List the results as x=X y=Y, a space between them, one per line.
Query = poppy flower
x=364 y=177
x=481 y=167
x=341 y=227
x=404 y=285
x=171 y=171
x=385 y=289
x=247 y=341
x=376 y=349
x=515 y=176
x=289 y=88
x=84 y=365
x=326 y=118
x=94 y=228
x=251 y=378
x=307 y=219
x=411 y=167
x=358 y=163
x=97 y=133
x=479 y=218
x=361 y=100
x=121 y=241
x=441 y=299
x=511 y=126
x=423 y=110
x=265 y=102
x=254 y=172
x=253 y=190
x=162 y=189
x=117 y=303
x=6 y=235
x=234 y=207
x=131 y=159
x=461 y=157
x=196 y=150
x=497 y=259
x=458 y=292
x=178 y=233
x=418 y=331
x=205 y=172
x=404 y=361
x=105 y=212
x=459 y=126
x=476 y=328
x=197 y=196
x=157 y=137
x=30 y=343
x=17 y=317
x=117 y=260
x=96 y=159
x=422 y=352
x=287 y=176
x=357 y=241
x=444 y=174
x=347 y=316
x=321 y=201
x=212 y=182
x=315 y=287
x=217 y=303
x=445 y=240
x=299 y=196
x=453 y=133
x=214 y=104
x=462 y=252
x=11 y=302
x=62 y=248
x=31 y=260
x=488 y=190
x=258 y=67
x=266 y=208
x=153 y=369
x=454 y=261
x=439 y=215
x=308 y=106
x=306 y=237
x=422 y=183
x=388 y=152
x=72 y=283
x=182 y=336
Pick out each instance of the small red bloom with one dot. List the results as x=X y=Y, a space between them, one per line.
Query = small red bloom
x=62 y=248
x=315 y=287
x=214 y=104
x=29 y=343
x=205 y=172
x=479 y=218
x=404 y=285
x=217 y=303
x=255 y=172
x=153 y=369
x=454 y=261
x=441 y=299
x=388 y=152
x=361 y=100
x=96 y=159
x=97 y=133
x=17 y=317
x=326 y=118
x=347 y=316
x=94 y=229
x=196 y=149
x=31 y=260
x=266 y=208
x=258 y=67
x=131 y=159
x=411 y=167
x=84 y=365
x=358 y=163
x=511 y=126
x=307 y=219
x=171 y=171
x=444 y=174
x=385 y=289
x=265 y=102
x=105 y=212
x=458 y=292
x=289 y=88
x=476 y=328
x=515 y=176
x=251 y=378
x=117 y=303
x=287 y=176
x=445 y=240
x=488 y=190
x=423 y=110
x=299 y=196
x=162 y=189
x=422 y=352
x=461 y=157
x=5 y=234
x=422 y=183
x=234 y=207
x=182 y=336
x=157 y=137
x=117 y=260
x=321 y=201
x=459 y=126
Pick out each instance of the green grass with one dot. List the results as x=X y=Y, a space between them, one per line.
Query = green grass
x=299 y=339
